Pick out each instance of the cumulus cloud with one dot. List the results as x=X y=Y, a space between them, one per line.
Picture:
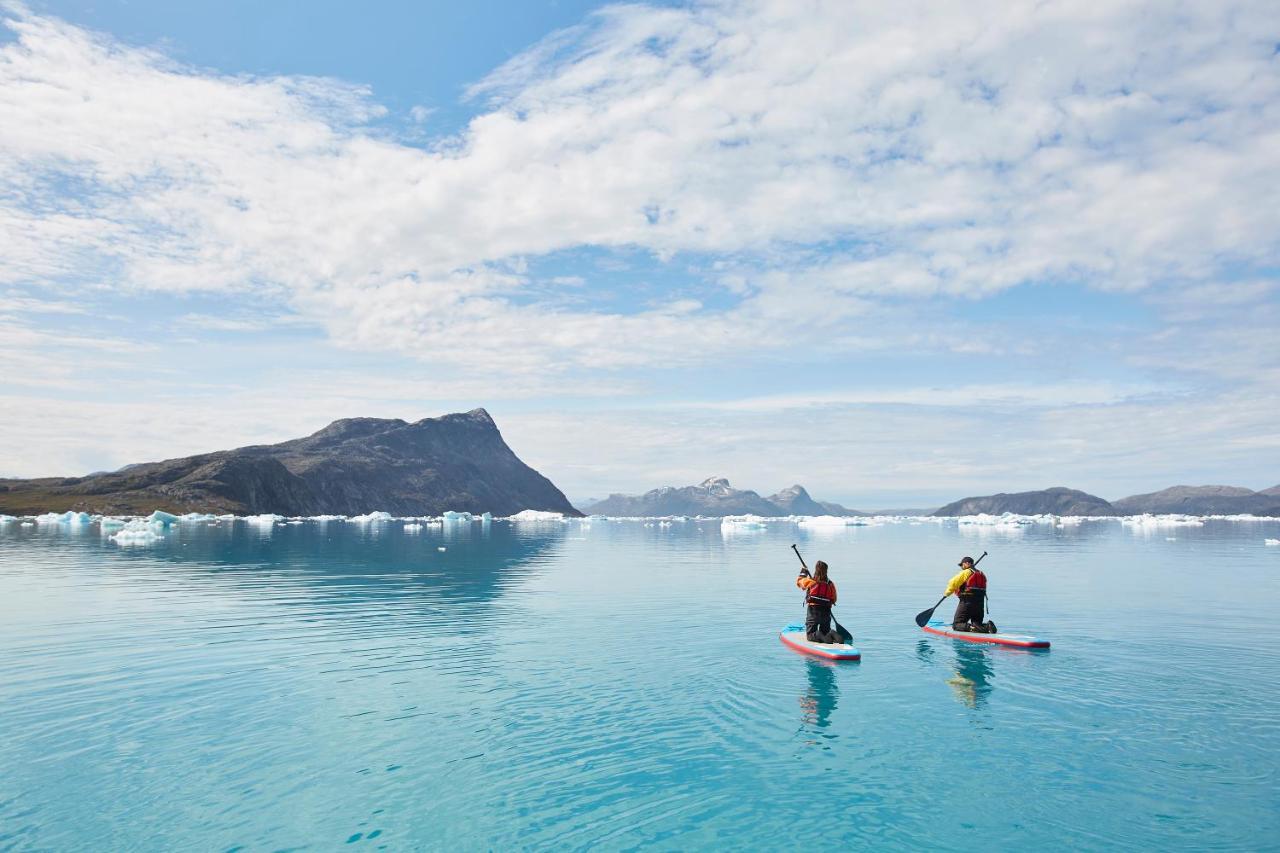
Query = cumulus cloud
x=824 y=156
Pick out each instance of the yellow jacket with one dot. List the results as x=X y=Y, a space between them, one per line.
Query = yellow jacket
x=958 y=581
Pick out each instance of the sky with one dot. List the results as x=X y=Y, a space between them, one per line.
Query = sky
x=898 y=253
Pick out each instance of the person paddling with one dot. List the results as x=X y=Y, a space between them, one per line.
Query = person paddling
x=820 y=594
x=970 y=587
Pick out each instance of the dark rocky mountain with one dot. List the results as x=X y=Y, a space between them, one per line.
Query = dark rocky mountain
x=1055 y=501
x=1203 y=500
x=712 y=497
x=796 y=501
x=353 y=466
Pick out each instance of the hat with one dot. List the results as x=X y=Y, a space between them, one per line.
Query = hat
x=968 y=560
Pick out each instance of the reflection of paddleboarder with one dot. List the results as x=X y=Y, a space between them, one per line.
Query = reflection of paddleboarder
x=819 y=700
x=972 y=681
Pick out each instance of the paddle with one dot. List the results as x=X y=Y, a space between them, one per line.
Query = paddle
x=923 y=616
x=845 y=636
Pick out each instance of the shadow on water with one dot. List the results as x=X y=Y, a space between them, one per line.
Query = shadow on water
x=819 y=699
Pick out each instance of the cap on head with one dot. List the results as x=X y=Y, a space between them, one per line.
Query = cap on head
x=968 y=560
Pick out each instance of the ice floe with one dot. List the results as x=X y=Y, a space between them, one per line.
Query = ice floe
x=139 y=531
x=1271 y=541
x=413 y=528
x=457 y=517
x=64 y=518
x=1154 y=522
x=372 y=518
x=266 y=519
x=536 y=515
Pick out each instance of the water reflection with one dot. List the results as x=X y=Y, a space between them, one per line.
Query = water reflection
x=818 y=702
x=973 y=673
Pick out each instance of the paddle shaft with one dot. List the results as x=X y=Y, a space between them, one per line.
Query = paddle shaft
x=840 y=629
x=923 y=616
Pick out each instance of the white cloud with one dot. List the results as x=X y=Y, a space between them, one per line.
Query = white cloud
x=956 y=150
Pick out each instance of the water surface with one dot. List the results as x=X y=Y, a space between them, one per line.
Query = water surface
x=616 y=685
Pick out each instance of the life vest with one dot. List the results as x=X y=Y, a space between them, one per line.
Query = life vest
x=820 y=594
x=974 y=586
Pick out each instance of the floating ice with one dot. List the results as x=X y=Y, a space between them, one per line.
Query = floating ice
x=450 y=515
x=325 y=519
x=371 y=518
x=111 y=523
x=742 y=522
x=27 y=524
x=1272 y=541
x=412 y=528
x=5 y=519
x=162 y=517
x=536 y=515
x=197 y=516
x=265 y=520
x=139 y=531
x=824 y=521
x=64 y=518
x=441 y=548
x=1151 y=522
x=486 y=517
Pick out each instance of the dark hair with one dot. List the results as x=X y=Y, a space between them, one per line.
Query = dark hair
x=820 y=572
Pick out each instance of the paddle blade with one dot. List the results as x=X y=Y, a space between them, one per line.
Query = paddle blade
x=923 y=617
x=845 y=636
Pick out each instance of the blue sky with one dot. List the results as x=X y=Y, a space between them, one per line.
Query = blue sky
x=899 y=255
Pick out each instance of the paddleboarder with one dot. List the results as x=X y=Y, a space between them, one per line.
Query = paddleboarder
x=820 y=594
x=970 y=587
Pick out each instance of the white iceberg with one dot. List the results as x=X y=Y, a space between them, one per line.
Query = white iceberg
x=5 y=519
x=486 y=517
x=1272 y=541
x=265 y=520
x=536 y=515
x=372 y=518
x=162 y=517
x=823 y=521
x=412 y=528
x=458 y=517
x=742 y=522
x=1154 y=522
x=139 y=531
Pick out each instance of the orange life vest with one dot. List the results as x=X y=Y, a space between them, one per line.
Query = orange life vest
x=821 y=594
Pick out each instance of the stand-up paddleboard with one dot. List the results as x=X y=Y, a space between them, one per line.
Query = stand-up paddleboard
x=1021 y=641
x=793 y=636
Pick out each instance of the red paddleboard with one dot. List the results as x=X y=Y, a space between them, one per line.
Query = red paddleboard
x=1021 y=641
x=793 y=636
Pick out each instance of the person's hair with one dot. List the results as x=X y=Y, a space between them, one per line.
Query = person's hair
x=820 y=572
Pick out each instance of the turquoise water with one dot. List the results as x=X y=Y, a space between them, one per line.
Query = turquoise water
x=562 y=686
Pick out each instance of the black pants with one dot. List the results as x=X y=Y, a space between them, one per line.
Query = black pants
x=969 y=610
x=817 y=623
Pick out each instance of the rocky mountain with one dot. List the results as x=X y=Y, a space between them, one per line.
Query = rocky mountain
x=713 y=497
x=1055 y=501
x=1203 y=500
x=352 y=466
x=796 y=501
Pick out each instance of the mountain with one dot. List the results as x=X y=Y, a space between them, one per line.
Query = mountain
x=712 y=497
x=352 y=466
x=796 y=501
x=1055 y=501
x=1203 y=500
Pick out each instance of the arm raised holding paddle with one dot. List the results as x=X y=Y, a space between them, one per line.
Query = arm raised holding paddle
x=820 y=596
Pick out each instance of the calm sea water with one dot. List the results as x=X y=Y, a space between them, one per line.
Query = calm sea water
x=619 y=686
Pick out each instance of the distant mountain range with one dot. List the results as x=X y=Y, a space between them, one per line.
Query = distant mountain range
x=1186 y=500
x=353 y=466
x=715 y=497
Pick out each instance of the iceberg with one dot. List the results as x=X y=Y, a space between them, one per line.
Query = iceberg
x=1148 y=522
x=459 y=517
x=536 y=515
x=1272 y=541
x=823 y=521
x=486 y=517
x=412 y=528
x=162 y=517
x=139 y=531
x=742 y=522
x=265 y=520
x=27 y=524
x=371 y=518
x=5 y=519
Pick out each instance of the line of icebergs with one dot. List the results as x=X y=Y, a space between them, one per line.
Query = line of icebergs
x=146 y=530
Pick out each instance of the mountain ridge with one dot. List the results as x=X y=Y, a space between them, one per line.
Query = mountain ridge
x=352 y=466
